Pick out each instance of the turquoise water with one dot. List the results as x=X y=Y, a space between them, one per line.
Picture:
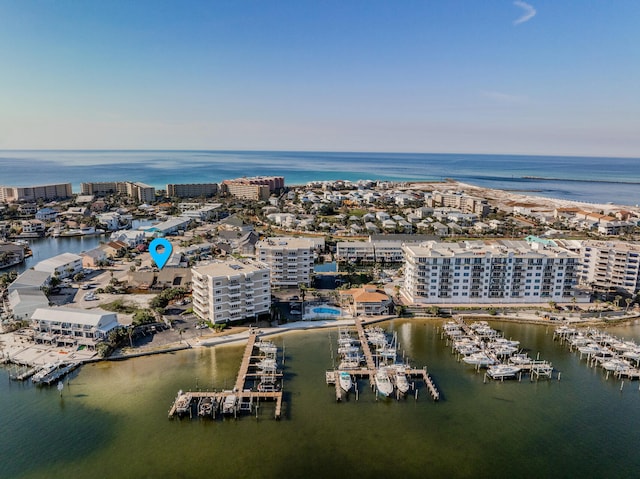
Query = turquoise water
x=575 y=178
x=326 y=310
x=111 y=421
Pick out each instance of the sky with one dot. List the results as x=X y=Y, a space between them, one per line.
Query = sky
x=552 y=77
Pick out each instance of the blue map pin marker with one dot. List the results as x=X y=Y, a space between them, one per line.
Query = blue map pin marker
x=160 y=257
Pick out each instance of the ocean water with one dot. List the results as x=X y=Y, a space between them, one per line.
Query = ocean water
x=111 y=420
x=586 y=179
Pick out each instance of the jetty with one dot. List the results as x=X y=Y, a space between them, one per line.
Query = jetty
x=254 y=367
x=373 y=362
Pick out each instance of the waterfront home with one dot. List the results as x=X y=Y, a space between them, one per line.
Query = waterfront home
x=131 y=238
x=72 y=325
x=46 y=214
x=368 y=301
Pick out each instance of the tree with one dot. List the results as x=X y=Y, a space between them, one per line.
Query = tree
x=629 y=302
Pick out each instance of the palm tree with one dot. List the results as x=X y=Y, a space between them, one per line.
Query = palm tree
x=629 y=301
x=617 y=300
x=574 y=300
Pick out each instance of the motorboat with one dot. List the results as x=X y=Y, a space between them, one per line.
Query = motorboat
x=480 y=359
x=267 y=347
x=383 y=383
x=520 y=359
x=400 y=378
x=615 y=365
x=501 y=371
x=44 y=372
x=345 y=381
x=205 y=406
x=183 y=402
x=229 y=404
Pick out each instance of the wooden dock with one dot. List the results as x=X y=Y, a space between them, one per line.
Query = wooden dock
x=246 y=399
x=370 y=370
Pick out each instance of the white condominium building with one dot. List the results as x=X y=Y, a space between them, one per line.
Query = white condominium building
x=481 y=272
x=611 y=266
x=289 y=259
x=225 y=291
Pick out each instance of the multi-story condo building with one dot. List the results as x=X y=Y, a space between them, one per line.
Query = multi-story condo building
x=255 y=188
x=465 y=203
x=136 y=190
x=227 y=291
x=612 y=266
x=192 y=190
x=289 y=259
x=14 y=194
x=480 y=272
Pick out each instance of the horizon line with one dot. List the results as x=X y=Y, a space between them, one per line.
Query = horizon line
x=377 y=152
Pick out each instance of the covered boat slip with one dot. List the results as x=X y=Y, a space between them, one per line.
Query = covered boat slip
x=240 y=399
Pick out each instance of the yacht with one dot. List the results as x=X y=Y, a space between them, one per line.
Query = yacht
x=383 y=383
x=345 y=381
x=44 y=372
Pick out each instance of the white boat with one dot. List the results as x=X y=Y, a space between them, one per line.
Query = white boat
x=500 y=371
x=616 y=365
x=267 y=364
x=205 y=406
x=479 y=359
x=44 y=372
x=345 y=381
x=383 y=383
x=349 y=364
x=229 y=404
x=400 y=378
x=267 y=347
x=520 y=359
x=183 y=402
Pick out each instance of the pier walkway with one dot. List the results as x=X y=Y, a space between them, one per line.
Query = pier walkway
x=236 y=400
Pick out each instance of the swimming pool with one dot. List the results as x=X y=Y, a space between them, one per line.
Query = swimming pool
x=325 y=310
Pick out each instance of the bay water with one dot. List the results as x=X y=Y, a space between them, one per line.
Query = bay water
x=111 y=419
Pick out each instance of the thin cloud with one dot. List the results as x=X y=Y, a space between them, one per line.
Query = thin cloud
x=505 y=98
x=529 y=12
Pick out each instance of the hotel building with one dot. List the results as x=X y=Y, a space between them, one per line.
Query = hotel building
x=481 y=272
x=611 y=266
x=289 y=259
x=227 y=291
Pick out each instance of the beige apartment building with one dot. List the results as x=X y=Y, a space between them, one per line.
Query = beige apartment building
x=228 y=291
x=289 y=259
x=612 y=266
